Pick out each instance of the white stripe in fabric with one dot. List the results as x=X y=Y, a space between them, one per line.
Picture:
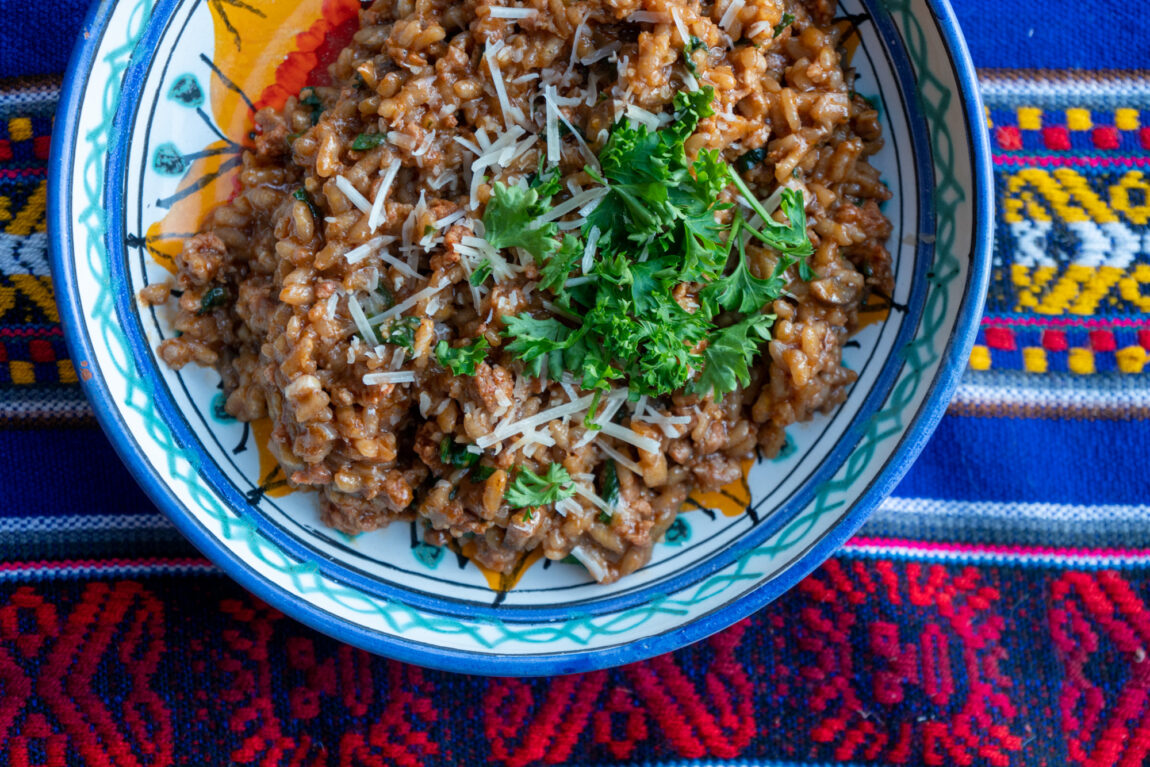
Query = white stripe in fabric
x=1033 y=557
x=1015 y=512
x=74 y=571
x=1052 y=391
x=85 y=523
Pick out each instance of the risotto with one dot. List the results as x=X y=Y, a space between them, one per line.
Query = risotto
x=530 y=274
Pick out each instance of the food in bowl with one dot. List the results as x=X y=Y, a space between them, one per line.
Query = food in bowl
x=532 y=274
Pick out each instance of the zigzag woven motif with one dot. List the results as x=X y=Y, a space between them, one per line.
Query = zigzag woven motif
x=37 y=378
x=898 y=662
x=1070 y=290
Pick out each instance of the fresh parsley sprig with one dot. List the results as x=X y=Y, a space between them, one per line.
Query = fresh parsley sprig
x=529 y=489
x=654 y=307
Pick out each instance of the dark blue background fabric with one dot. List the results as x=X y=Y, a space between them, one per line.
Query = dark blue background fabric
x=967 y=459
x=37 y=38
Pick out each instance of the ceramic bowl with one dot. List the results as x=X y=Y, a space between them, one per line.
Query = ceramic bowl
x=155 y=113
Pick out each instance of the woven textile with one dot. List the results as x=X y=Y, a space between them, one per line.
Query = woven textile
x=994 y=611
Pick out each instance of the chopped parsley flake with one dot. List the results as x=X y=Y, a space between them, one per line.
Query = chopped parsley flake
x=462 y=359
x=365 y=141
x=481 y=273
x=454 y=453
x=312 y=100
x=781 y=27
x=401 y=332
x=213 y=298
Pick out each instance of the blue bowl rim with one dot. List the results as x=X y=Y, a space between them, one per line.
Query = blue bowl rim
x=449 y=659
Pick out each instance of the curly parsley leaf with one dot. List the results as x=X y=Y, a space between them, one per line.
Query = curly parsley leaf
x=536 y=340
x=741 y=290
x=462 y=359
x=529 y=489
x=559 y=264
x=729 y=353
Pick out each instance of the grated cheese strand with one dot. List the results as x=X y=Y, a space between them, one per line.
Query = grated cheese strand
x=503 y=431
x=621 y=459
x=594 y=567
x=624 y=434
x=552 y=123
x=511 y=114
x=375 y=215
x=391 y=377
x=352 y=194
x=576 y=202
x=411 y=301
x=731 y=14
x=360 y=320
x=498 y=12
x=679 y=25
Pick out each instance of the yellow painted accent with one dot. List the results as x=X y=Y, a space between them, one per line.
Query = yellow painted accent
x=501 y=581
x=1120 y=197
x=31 y=217
x=20 y=128
x=1126 y=119
x=731 y=500
x=261 y=431
x=21 y=372
x=1034 y=359
x=1131 y=359
x=1081 y=361
x=1130 y=286
x=1030 y=118
x=979 y=358
x=65 y=370
x=39 y=289
x=265 y=42
x=251 y=63
x=1078 y=119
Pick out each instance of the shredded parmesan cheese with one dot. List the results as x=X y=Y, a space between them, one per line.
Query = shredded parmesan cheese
x=511 y=114
x=409 y=302
x=576 y=202
x=624 y=434
x=352 y=194
x=552 y=125
x=598 y=572
x=360 y=320
x=497 y=12
x=681 y=27
x=390 y=377
x=620 y=459
x=758 y=28
x=731 y=15
x=503 y=431
x=568 y=506
x=375 y=216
